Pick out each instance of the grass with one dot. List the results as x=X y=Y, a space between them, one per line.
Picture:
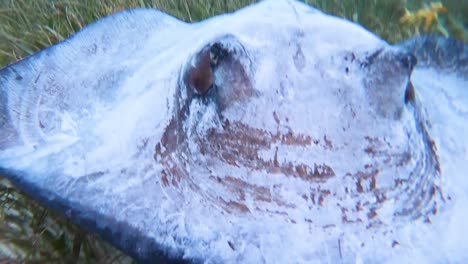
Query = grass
x=30 y=25
x=32 y=233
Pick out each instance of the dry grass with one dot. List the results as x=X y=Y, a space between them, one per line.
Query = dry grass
x=29 y=232
x=29 y=25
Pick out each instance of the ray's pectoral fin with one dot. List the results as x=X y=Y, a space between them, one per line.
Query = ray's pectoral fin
x=8 y=134
x=51 y=104
x=221 y=71
x=60 y=89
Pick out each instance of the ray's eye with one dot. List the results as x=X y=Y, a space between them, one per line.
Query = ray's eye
x=199 y=76
x=218 y=71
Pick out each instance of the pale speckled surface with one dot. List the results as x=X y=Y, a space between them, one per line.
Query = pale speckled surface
x=322 y=161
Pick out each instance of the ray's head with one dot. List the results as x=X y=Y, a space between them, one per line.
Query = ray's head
x=310 y=114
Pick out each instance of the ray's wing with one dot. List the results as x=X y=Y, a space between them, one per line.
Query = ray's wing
x=77 y=73
x=50 y=101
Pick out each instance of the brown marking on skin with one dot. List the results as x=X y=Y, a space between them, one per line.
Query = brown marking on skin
x=168 y=140
x=372 y=214
x=321 y=200
x=374 y=224
x=344 y=216
x=175 y=175
x=362 y=177
x=259 y=193
x=172 y=139
x=279 y=201
x=433 y=148
x=277 y=212
x=275 y=160
x=164 y=180
x=241 y=145
x=238 y=145
x=317 y=196
x=241 y=188
x=295 y=140
x=171 y=174
x=370 y=151
x=418 y=190
x=233 y=206
x=328 y=143
x=378 y=147
x=359 y=187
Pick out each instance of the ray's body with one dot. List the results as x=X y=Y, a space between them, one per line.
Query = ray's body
x=262 y=141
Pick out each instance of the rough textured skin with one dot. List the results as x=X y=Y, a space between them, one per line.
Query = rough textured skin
x=294 y=136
